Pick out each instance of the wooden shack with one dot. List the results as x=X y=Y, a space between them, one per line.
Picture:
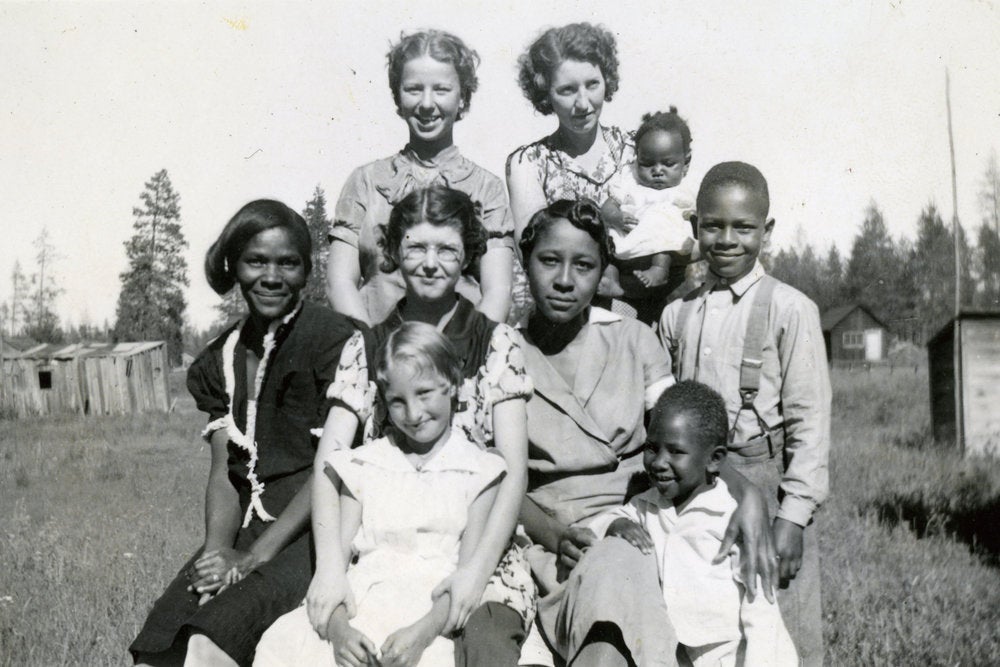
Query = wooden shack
x=964 y=373
x=86 y=378
x=853 y=333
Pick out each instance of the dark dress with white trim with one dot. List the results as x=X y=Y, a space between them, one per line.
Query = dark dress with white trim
x=267 y=468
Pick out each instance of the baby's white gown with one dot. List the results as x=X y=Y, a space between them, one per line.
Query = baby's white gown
x=411 y=528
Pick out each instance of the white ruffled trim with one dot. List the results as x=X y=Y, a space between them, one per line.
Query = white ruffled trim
x=247 y=441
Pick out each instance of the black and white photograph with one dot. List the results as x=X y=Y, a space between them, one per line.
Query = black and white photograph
x=657 y=333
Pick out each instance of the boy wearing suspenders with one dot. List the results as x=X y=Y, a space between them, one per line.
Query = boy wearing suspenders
x=758 y=342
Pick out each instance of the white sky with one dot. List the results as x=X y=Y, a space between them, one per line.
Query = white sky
x=837 y=103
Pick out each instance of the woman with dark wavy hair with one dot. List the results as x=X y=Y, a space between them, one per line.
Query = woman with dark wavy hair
x=595 y=375
x=433 y=237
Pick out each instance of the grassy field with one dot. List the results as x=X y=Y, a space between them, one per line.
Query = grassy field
x=99 y=514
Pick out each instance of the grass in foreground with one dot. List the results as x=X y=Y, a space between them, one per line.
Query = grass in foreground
x=100 y=513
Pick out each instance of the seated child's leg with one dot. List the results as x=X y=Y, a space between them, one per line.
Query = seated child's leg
x=766 y=639
x=657 y=272
x=610 y=284
x=492 y=636
x=723 y=654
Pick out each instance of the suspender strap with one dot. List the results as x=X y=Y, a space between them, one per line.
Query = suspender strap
x=753 y=343
x=753 y=355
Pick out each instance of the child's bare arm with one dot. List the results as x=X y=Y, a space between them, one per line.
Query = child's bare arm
x=611 y=214
x=328 y=587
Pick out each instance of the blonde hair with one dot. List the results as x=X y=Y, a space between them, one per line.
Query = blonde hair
x=421 y=346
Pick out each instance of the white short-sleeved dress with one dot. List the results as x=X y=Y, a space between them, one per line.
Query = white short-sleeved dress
x=412 y=521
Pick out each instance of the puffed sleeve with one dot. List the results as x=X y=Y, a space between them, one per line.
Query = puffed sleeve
x=656 y=365
x=349 y=213
x=207 y=385
x=504 y=375
x=497 y=219
x=351 y=386
x=351 y=473
x=326 y=358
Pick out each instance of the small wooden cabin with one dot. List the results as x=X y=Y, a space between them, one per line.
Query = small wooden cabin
x=86 y=378
x=853 y=333
x=964 y=373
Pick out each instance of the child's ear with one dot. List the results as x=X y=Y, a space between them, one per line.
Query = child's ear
x=687 y=162
x=715 y=460
x=694 y=225
x=768 y=228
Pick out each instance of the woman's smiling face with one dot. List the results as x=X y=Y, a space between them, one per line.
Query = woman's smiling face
x=431 y=259
x=271 y=274
x=430 y=99
x=564 y=269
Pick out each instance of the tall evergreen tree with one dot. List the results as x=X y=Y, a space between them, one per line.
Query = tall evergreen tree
x=151 y=303
x=986 y=262
x=989 y=193
x=18 y=312
x=877 y=274
x=319 y=228
x=41 y=320
x=934 y=253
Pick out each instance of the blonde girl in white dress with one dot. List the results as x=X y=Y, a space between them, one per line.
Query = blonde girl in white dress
x=412 y=507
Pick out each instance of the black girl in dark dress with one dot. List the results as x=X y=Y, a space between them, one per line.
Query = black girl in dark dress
x=263 y=384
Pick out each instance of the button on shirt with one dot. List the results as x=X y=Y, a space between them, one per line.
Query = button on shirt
x=794 y=392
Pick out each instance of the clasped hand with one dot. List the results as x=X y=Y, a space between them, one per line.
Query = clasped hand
x=218 y=569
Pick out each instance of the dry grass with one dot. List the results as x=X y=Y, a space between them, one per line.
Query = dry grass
x=99 y=514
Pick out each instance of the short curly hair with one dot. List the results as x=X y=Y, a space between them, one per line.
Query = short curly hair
x=742 y=174
x=704 y=404
x=577 y=41
x=666 y=121
x=439 y=206
x=584 y=214
x=441 y=46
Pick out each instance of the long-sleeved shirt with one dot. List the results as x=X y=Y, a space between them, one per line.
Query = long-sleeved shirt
x=794 y=394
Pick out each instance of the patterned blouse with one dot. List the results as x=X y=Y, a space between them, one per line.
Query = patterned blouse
x=562 y=177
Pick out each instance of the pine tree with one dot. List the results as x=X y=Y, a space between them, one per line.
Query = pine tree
x=41 y=321
x=18 y=312
x=878 y=274
x=986 y=261
x=319 y=228
x=151 y=303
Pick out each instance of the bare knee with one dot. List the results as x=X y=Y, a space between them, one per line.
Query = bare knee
x=203 y=652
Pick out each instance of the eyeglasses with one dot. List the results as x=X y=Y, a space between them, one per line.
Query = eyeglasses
x=445 y=254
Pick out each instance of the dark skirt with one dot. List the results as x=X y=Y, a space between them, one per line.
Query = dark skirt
x=236 y=618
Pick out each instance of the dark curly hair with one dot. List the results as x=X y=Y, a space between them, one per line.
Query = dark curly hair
x=577 y=41
x=441 y=46
x=667 y=121
x=711 y=421
x=437 y=205
x=254 y=218
x=584 y=214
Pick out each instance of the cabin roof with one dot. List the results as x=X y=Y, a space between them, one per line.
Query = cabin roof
x=964 y=314
x=80 y=350
x=834 y=316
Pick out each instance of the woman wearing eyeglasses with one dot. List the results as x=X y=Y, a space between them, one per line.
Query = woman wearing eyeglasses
x=433 y=237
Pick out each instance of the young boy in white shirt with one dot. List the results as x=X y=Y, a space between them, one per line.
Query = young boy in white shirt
x=681 y=519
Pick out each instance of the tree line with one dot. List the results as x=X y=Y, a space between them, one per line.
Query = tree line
x=152 y=302
x=908 y=284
